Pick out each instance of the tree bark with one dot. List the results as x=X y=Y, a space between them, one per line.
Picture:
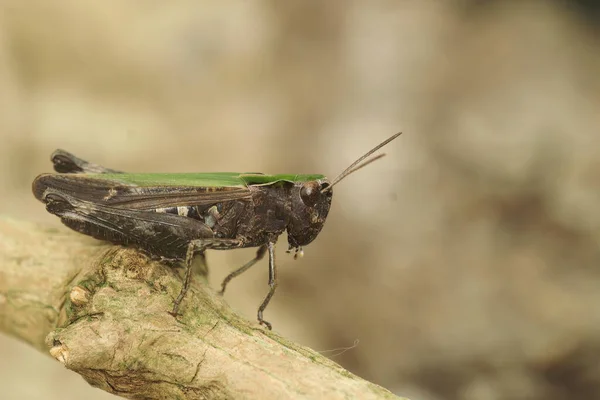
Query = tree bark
x=102 y=311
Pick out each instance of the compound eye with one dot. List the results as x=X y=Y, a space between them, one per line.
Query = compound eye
x=310 y=193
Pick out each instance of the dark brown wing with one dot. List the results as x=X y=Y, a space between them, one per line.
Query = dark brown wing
x=126 y=214
x=115 y=194
x=160 y=234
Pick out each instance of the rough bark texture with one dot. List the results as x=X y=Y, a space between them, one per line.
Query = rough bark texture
x=102 y=311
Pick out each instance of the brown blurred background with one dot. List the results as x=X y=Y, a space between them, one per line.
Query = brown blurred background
x=465 y=264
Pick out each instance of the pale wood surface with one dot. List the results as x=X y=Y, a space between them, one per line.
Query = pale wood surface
x=102 y=311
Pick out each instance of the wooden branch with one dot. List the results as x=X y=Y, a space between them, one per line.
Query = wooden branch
x=102 y=311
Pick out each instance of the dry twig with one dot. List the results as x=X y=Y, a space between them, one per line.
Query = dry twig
x=102 y=311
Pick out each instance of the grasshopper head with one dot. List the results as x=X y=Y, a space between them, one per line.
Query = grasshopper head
x=310 y=205
x=311 y=200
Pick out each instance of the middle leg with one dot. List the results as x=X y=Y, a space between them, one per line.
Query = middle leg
x=260 y=253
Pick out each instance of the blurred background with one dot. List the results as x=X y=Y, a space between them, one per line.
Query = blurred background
x=462 y=266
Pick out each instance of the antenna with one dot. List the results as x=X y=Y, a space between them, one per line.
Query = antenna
x=358 y=164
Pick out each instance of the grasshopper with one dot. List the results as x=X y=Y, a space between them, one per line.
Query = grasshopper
x=178 y=216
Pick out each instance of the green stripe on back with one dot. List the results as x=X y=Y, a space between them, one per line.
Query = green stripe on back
x=256 y=179
x=204 y=179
